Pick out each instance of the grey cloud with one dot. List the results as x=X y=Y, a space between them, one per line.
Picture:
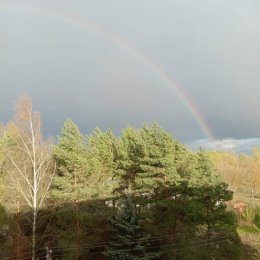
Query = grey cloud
x=211 y=48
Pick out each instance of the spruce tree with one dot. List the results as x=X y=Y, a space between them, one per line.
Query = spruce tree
x=127 y=241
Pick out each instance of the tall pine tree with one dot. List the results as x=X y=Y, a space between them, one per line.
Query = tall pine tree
x=71 y=157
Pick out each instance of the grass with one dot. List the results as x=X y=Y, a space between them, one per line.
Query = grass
x=248 y=229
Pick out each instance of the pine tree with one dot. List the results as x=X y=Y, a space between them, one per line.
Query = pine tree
x=71 y=181
x=71 y=157
x=101 y=148
x=205 y=174
x=127 y=241
x=146 y=159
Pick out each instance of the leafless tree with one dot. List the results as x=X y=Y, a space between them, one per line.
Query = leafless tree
x=30 y=166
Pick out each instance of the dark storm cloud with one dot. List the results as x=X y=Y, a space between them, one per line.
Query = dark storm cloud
x=211 y=48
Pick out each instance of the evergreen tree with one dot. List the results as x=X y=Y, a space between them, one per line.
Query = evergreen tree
x=146 y=159
x=127 y=241
x=70 y=183
x=85 y=168
x=71 y=157
x=102 y=152
x=205 y=174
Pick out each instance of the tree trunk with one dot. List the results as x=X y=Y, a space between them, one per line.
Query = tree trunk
x=34 y=234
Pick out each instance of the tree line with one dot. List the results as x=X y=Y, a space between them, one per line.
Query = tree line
x=142 y=195
x=240 y=171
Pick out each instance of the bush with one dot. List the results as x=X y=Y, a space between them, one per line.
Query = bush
x=248 y=215
x=257 y=218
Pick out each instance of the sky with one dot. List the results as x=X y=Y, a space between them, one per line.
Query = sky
x=192 y=66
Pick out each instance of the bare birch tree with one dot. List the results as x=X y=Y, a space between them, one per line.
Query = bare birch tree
x=30 y=166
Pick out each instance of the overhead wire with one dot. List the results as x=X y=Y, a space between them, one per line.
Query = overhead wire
x=180 y=235
x=193 y=245
x=152 y=239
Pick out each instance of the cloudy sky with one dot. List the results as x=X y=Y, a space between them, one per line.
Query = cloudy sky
x=191 y=65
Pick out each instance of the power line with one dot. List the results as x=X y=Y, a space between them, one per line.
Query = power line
x=195 y=244
x=180 y=235
x=206 y=241
x=22 y=255
x=152 y=239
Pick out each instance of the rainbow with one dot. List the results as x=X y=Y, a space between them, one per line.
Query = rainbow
x=125 y=45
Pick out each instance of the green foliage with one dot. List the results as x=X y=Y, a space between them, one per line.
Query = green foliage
x=205 y=174
x=72 y=169
x=85 y=165
x=70 y=152
x=7 y=140
x=249 y=215
x=257 y=217
x=248 y=229
x=102 y=153
x=212 y=203
x=127 y=241
x=175 y=194
x=146 y=159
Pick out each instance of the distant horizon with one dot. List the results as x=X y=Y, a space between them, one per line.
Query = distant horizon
x=243 y=145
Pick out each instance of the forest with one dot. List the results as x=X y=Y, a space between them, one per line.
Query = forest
x=141 y=195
